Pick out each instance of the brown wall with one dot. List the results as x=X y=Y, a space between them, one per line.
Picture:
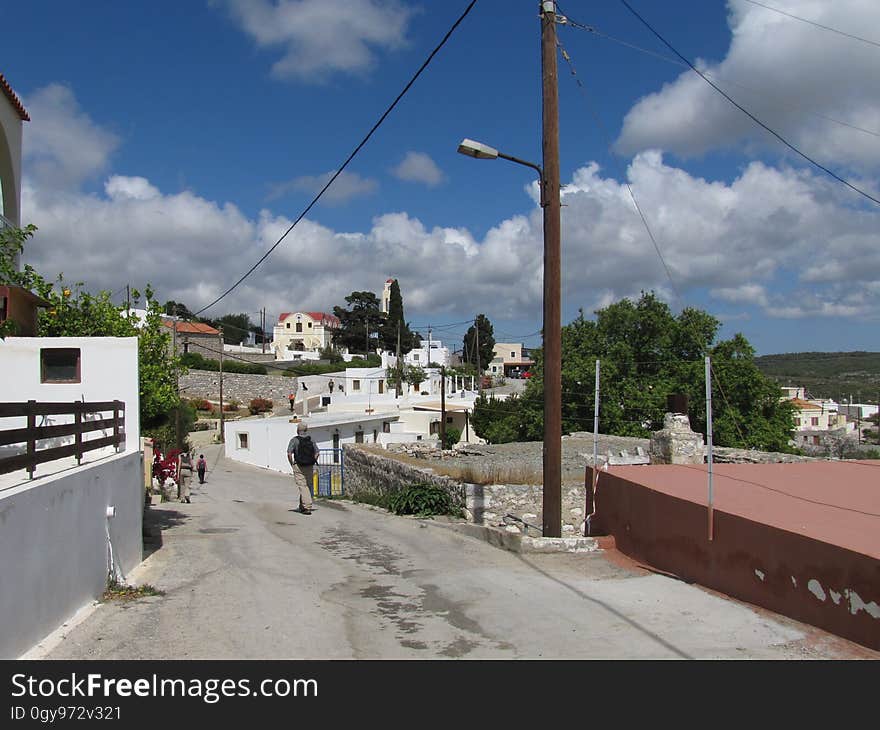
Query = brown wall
x=671 y=534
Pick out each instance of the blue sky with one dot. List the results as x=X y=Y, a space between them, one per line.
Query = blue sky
x=173 y=143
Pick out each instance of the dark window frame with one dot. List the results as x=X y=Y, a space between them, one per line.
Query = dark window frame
x=45 y=374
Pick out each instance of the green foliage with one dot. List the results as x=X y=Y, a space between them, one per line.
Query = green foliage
x=331 y=354
x=365 y=315
x=395 y=322
x=484 y=334
x=12 y=241
x=316 y=368
x=836 y=375
x=164 y=429
x=196 y=361
x=646 y=354
x=260 y=405
x=423 y=500
x=453 y=436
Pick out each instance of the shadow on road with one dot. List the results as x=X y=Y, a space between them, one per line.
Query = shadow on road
x=155 y=522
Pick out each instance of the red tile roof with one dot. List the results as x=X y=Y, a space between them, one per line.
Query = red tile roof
x=13 y=99
x=320 y=317
x=191 y=328
x=804 y=405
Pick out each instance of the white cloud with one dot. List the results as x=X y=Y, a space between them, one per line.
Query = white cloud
x=793 y=76
x=783 y=241
x=419 y=167
x=63 y=146
x=346 y=186
x=321 y=37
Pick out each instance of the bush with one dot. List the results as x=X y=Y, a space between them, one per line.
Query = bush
x=231 y=405
x=195 y=361
x=423 y=500
x=201 y=404
x=453 y=436
x=260 y=405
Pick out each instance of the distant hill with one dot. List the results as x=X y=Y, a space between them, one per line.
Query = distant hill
x=836 y=375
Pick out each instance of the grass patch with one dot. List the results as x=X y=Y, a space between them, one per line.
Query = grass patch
x=423 y=500
x=121 y=591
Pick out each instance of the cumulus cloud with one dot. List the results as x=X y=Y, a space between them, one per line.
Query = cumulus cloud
x=780 y=241
x=65 y=147
x=806 y=83
x=345 y=187
x=320 y=37
x=419 y=167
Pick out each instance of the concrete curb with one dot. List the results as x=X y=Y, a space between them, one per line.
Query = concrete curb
x=518 y=543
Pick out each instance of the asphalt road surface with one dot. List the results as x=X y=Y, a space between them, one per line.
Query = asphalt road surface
x=245 y=577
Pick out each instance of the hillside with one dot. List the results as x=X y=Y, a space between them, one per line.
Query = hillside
x=836 y=375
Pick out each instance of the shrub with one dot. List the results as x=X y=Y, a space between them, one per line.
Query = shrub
x=260 y=405
x=423 y=500
x=453 y=436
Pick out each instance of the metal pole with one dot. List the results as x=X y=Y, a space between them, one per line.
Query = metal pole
x=222 y=435
x=399 y=365
x=442 y=408
x=710 y=501
x=552 y=506
x=596 y=432
x=479 y=372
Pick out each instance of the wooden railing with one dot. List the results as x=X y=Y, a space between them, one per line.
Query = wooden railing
x=30 y=434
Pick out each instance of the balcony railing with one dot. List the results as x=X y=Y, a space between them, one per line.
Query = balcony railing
x=6 y=223
x=87 y=419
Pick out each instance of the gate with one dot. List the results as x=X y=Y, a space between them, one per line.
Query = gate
x=329 y=479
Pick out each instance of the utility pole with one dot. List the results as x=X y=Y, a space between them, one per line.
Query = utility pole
x=222 y=436
x=552 y=507
x=429 y=346
x=178 y=440
x=263 y=329
x=127 y=298
x=442 y=409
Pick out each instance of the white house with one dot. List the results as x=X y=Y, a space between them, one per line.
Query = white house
x=297 y=333
x=431 y=351
x=69 y=519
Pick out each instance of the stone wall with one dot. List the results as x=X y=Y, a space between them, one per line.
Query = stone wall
x=236 y=386
x=369 y=472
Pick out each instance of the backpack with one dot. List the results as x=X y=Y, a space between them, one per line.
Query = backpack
x=304 y=451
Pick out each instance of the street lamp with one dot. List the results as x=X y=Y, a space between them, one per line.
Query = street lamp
x=552 y=453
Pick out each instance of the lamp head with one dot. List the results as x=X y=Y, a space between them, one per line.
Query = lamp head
x=481 y=151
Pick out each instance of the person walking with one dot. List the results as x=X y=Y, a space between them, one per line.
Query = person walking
x=331 y=386
x=184 y=476
x=201 y=468
x=302 y=454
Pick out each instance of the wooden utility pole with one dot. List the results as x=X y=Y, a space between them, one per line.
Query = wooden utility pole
x=442 y=408
x=552 y=507
x=222 y=436
x=178 y=441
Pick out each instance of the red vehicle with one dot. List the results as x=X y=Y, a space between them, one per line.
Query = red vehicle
x=527 y=374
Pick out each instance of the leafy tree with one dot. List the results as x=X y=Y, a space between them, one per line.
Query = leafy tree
x=388 y=330
x=177 y=309
x=647 y=353
x=365 y=315
x=12 y=241
x=236 y=327
x=486 y=341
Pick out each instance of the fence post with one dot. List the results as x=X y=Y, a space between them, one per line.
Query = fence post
x=32 y=437
x=116 y=436
x=77 y=436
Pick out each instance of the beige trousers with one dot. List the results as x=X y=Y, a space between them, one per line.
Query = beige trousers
x=302 y=477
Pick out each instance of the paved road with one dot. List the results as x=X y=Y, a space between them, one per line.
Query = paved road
x=244 y=577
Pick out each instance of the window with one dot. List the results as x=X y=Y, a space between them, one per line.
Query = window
x=381 y=386
x=797 y=421
x=512 y=355
x=416 y=356
x=60 y=365
x=375 y=435
x=310 y=325
x=358 y=437
x=335 y=448
x=386 y=427
x=814 y=421
x=287 y=325
x=435 y=427
x=355 y=385
x=815 y=440
x=448 y=419
x=299 y=326
x=242 y=440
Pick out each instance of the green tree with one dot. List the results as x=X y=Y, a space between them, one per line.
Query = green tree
x=646 y=354
x=363 y=316
x=480 y=333
x=177 y=309
x=388 y=330
x=12 y=242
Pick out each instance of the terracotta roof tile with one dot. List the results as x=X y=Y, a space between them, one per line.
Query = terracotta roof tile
x=13 y=99
x=192 y=328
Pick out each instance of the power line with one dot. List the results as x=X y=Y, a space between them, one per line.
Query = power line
x=747 y=112
x=818 y=25
x=668 y=59
x=626 y=182
x=350 y=157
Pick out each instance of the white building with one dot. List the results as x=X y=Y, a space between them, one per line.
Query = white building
x=297 y=333
x=423 y=356
x=509 y=360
